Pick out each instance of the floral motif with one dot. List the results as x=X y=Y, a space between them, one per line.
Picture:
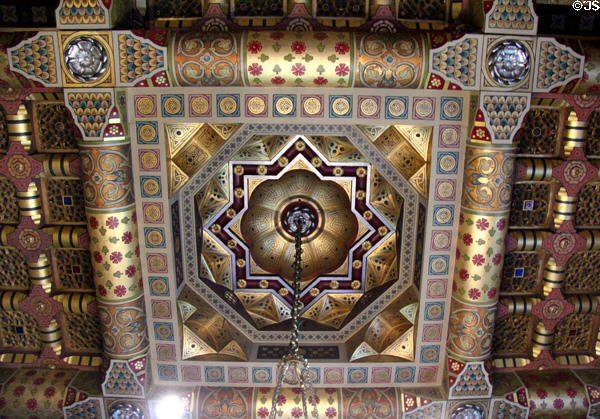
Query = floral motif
x=254 y=47
x=18 y=392
x=116 y=257
x=296 y=412
x=277 y=80
x=130 y=271
x=501 y=224
x=49 y=392
x=93 y=222
x=541 y=393
x=102 y=290
x=464 y=275
x=32 y=404
x=320 y=36
x=255 y=69
x=298 y=47
x=112 y=222
x=330 y=412
x=127 y=237
x=298 y=69
x=120 y=290
x=474 y=294
x=262 y=412
x=558 y=404
x=317 y=400
x=342 y=70
x=97 y=256
x=39 y=381
x=482 y=224
x=497 y=259
x=342 y=47
x=478 y=260
x=461 y=218
x=571 y=392
x=281 y=400
x=320 y=81
x=492 y=292
x=277 y=36
x=467 y=239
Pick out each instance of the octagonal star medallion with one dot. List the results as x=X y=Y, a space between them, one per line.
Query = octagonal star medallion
x=349 y=247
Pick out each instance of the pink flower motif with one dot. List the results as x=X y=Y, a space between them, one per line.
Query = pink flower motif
x=281 y=400
x=130 y=271
x=277 y=35
x=263 y=412
x=120 y=290
x=93 y=222
x=298 y=47
x=501 y=224
x=317 y=400
x=31 y=404
x=134 y=217
x=18 y=392
x=102 y=290
x=571 y=392
x=464 y=275
x=558 y=404
x=329 y=390
x=298 y=69
x=474 y=294
x=137 y=251
x=297 y=390
x=461 y=218
x=330 y=412
x=112 y=223
x=492 y=293
x=320 y=36
x=531 y=404
x=296 y=412
x=478 y=260
x=39 y=381
x=277 y=80
x=342 y=70
x=497 y=259
x=255 y=69
x=263 y=390
x=127 y=237
x=454 y=286
x=320 y=81
x=482 y=224
x=97 y=256
x=49 y=392
x=116 y=257
x=342 y=48
x=467 y=239
x=541 y=393
x=254 y=47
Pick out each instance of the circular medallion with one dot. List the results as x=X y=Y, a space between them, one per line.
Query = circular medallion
x=432 y=334
x=160 y=309
x=19 y=167
x=157 y=263
x=439 y=265
x=163 y=331
x=340 y=106
x=86 y=59
x=159 y=287
x=228 y=105
x=445 y=190
x=149 y=160
x=553 y=309
x=147 y=133
x=441 y=241
x=451 y=109
x=434 y=311
x=199 y=105
x=300 y=215
x=368 y=107
x=30 y=239
x=152 y=213
x=563 y=243
x=448 y=163
x=396 y=107
x=155 y=238
x=424 y=108
x=449 y=137
x=172 y=105
x=145 y=106
x=443 y=215
x=508 y=63
x=312 y=106
x=574 y=172
x=436 y=288
x=41 y=306
x=151 y=187
x=256 y=105
x=284 y=105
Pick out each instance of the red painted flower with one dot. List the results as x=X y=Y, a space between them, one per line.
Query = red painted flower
x=320 y=36
x=281 y=400
x=298 y=47
x=478 y=260
x=331 y=412
x=571 y=392
x=127 y=237
x=254 y=47
x=101 y=290
x=134 y=217
x=31 y=404
x=277 y=35
x=93 y=222
x=497 y=259
x=461 y=218
x=18 y=392
x=501 y=224
x=298 y=69
x=49 y=392
x=541 y=393
x=277 y=80
x=342 y=48
x=330 y=390
x=116 y=257
x=130 y=271
x=320 y=81
x=482 y=224
x=558 y=404
x=120 y=290
x=317 y=400
x=297 y=390
x=137 y=251
x=474 y=294
x=255 y=69
x=39 y=381
x=112 y=223
x=296 y=412
x=492 y=293
x=464 y=275
x=454 y=286
x=97 y=256
x=31 y=373
x=263 y=412
x=342 y=70
x=467 y=239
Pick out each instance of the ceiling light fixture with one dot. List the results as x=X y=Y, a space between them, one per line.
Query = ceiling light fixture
x=299 y=224
x=169 y=407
